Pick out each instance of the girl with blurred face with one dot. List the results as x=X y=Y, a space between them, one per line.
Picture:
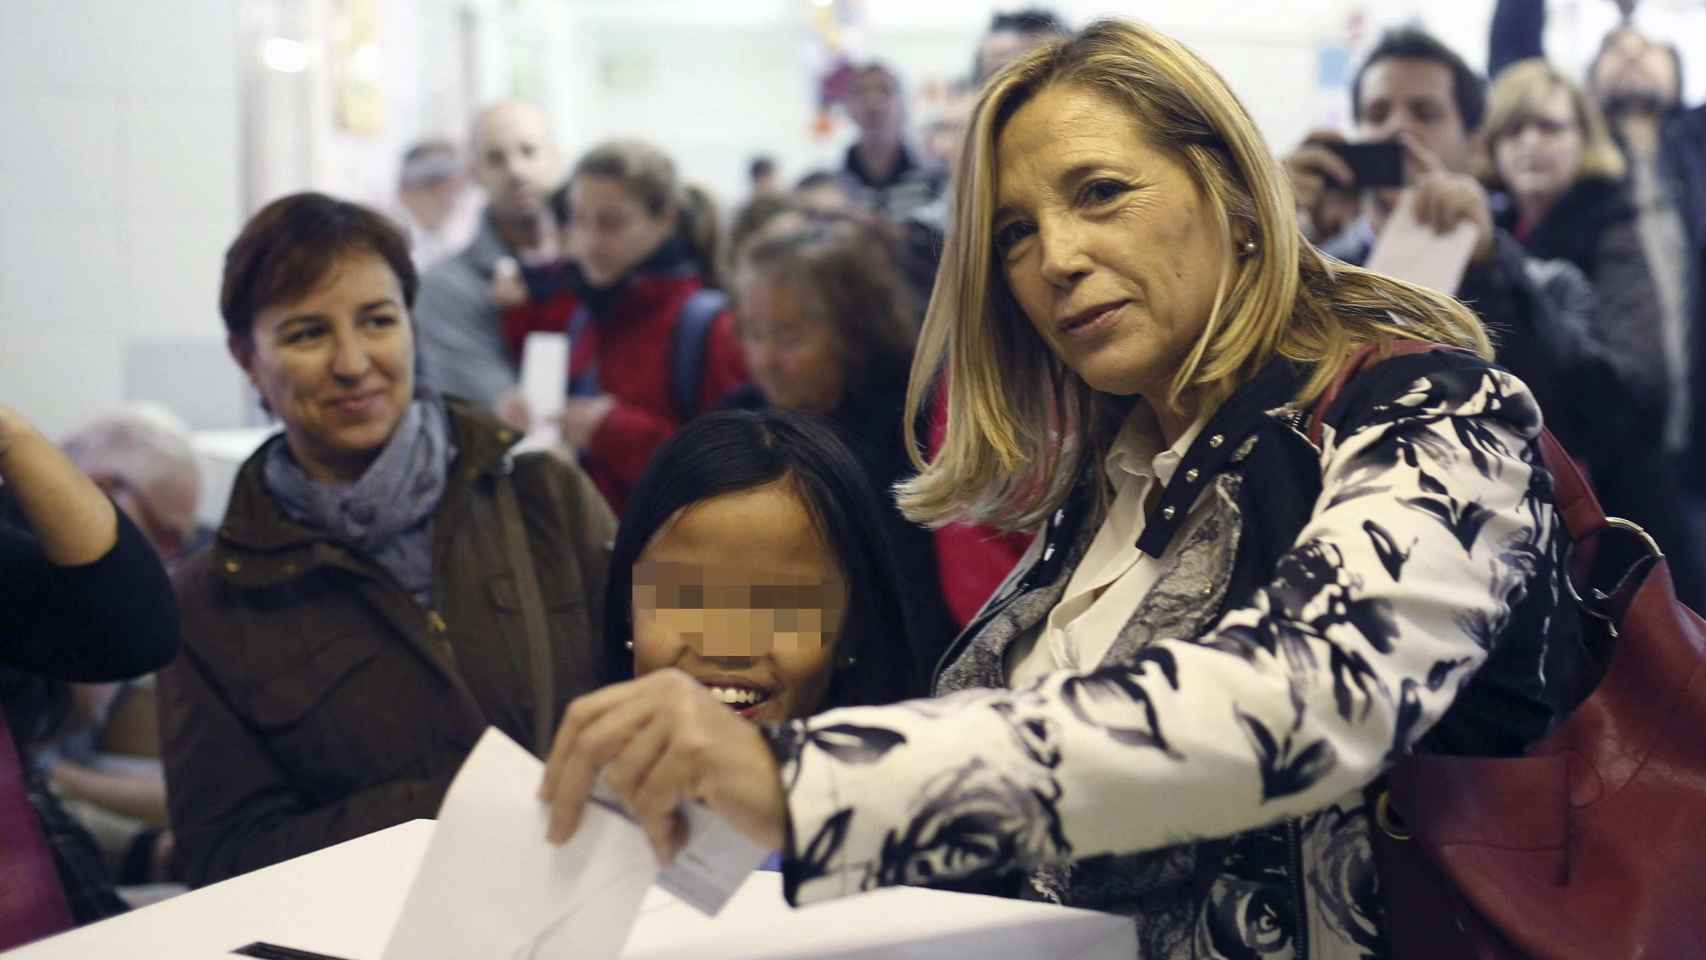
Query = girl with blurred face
x=750 y=560
x=742 y=592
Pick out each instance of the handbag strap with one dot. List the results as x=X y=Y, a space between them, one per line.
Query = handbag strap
x=1573 y=497
x=532 y=613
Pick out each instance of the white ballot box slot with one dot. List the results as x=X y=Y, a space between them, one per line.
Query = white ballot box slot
x=491 y=886
x=398 y=893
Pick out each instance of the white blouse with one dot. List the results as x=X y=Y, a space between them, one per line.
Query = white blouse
x=1114 y=576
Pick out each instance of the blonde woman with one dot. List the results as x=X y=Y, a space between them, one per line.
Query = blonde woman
x=1548 y=150
x=1223 y=633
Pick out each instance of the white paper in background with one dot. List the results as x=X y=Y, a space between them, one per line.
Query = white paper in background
x=544 y=385
x=1410 y=251
x=491 y=888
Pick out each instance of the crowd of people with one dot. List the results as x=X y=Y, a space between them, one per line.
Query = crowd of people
x=926 y=522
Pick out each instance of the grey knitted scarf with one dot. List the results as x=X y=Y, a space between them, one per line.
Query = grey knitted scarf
x=386 y=515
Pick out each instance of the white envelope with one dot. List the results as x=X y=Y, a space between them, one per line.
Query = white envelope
x=491 y=888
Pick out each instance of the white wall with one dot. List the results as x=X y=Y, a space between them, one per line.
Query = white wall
x=124 y=175
x=714 y=84
x=118 y=192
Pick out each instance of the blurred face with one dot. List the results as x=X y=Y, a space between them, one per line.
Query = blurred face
x=431 y=204
x=943 y=139
x=874 y=102
x=610 y=231
x=1538 y=155
x=1002 y=47
x=337 y=366
x=794 y=355
x=1632 y=65
x=515 y=160
x=826 y=197
x=165 y=512
x=741 y=592
x=1106 y=242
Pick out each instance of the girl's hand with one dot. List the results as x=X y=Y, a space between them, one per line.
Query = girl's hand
x=662 y=741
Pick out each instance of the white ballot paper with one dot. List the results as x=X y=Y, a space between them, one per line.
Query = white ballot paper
x=1410 y=251
x=544 y=385
x=491 y=888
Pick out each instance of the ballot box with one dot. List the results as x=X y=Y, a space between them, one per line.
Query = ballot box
x=342 y=902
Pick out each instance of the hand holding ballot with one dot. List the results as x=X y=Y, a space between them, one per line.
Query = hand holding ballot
x=660 y=742
x=1442 y=198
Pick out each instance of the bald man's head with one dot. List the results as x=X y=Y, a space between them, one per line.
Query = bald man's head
x=515 y=159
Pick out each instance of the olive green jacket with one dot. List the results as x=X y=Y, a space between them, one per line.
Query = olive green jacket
x=315 y=701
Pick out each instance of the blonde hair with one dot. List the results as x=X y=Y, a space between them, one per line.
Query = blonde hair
x=1023 y=425
x=1516 y=96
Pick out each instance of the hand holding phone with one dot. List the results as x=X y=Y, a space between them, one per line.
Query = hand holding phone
x=1372 y=165
x=1322 y=184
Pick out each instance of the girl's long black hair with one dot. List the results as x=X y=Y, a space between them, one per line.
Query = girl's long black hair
x=735 y=450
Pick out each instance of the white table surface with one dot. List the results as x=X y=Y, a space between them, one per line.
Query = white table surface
x=343 y=901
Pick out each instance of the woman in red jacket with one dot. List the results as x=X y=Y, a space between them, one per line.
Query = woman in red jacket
x=651 y=346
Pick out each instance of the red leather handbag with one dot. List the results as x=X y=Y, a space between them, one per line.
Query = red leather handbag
x=32 y=903
x=1593 y=845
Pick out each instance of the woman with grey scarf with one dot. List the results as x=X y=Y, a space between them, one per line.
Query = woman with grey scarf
x=389 y=580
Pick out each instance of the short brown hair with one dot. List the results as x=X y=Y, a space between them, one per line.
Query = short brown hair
x=287 y=248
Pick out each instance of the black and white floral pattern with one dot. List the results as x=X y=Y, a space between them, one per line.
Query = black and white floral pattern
x=1251 y=739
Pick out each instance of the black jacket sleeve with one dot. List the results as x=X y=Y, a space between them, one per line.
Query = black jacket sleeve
x=1516 y=33
x=108 y=620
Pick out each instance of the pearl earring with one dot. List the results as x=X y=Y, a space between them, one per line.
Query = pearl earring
x=1249 y=247
x=629 y=644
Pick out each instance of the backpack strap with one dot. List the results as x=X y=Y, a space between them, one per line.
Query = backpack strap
x=543 y=665
x=687 y=348
x=585 y=383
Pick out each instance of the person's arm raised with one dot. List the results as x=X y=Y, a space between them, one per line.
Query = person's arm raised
x=72 y=518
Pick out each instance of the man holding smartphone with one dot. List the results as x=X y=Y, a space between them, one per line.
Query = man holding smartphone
x=1412 y=95
x=1414 y=92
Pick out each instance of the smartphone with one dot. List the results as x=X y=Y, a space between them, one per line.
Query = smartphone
x=1375 y=164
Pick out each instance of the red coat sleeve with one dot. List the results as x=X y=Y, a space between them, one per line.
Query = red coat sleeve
x=971 y=561
x=623 y=444
x=550 y=316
